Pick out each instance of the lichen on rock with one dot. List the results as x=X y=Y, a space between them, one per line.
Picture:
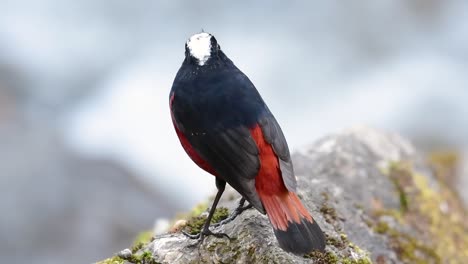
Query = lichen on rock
x=434 y=214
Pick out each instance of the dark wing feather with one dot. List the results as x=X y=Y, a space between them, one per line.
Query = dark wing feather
x=233 y=154
x=273 y=135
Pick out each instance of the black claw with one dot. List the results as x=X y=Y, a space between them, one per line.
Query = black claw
x=234 y=214
x=218 y=235
x=196 y=236
x=246 y=207
x=205 y=233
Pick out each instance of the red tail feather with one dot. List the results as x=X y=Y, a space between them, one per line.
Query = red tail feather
x=283 y=209
x=294 y=227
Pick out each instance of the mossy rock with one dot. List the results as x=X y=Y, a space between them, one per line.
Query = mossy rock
x=376 y=199
x=434 y=214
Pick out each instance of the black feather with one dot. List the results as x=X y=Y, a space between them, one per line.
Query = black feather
x=301 y=238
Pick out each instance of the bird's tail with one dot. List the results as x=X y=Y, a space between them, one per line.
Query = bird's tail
x=294 y=227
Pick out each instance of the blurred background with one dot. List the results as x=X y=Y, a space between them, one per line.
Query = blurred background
x=88 y=155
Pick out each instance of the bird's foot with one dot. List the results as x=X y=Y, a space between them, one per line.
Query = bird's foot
x=233 y=216
x=205 y=233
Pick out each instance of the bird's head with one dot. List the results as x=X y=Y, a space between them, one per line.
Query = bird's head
x=201 y=48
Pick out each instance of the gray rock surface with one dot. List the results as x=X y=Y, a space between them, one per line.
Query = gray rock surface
x=367 y=190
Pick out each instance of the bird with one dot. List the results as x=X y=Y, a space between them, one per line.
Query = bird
x=226 y=128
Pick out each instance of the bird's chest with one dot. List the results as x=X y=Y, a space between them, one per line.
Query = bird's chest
x=202 y=109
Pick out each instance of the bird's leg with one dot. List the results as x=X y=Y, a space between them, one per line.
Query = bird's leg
x=240 y=208
x=221 y=185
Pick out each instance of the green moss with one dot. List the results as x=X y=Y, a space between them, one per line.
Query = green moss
x=408 y=249
x=445 y=164
x=396 y=214
x=381 y=228
x=401 y=195
x=227 y=248
x=195 y=224
x=137 y=247
x=327 y=211
x=251 y=251
x=344 y=238
x=449 y=229
x=438 y=235
x=146 y=257
x=322 y=257
x=400 y=176
x=331 y=258
x=113 y=260
x=325 y=196
x=220 y=214
x=140 y=241
x=340 y=242
x=143 y=237
x=356 y=261
x=343 y=252
x=334 y=242
x=359 y=206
